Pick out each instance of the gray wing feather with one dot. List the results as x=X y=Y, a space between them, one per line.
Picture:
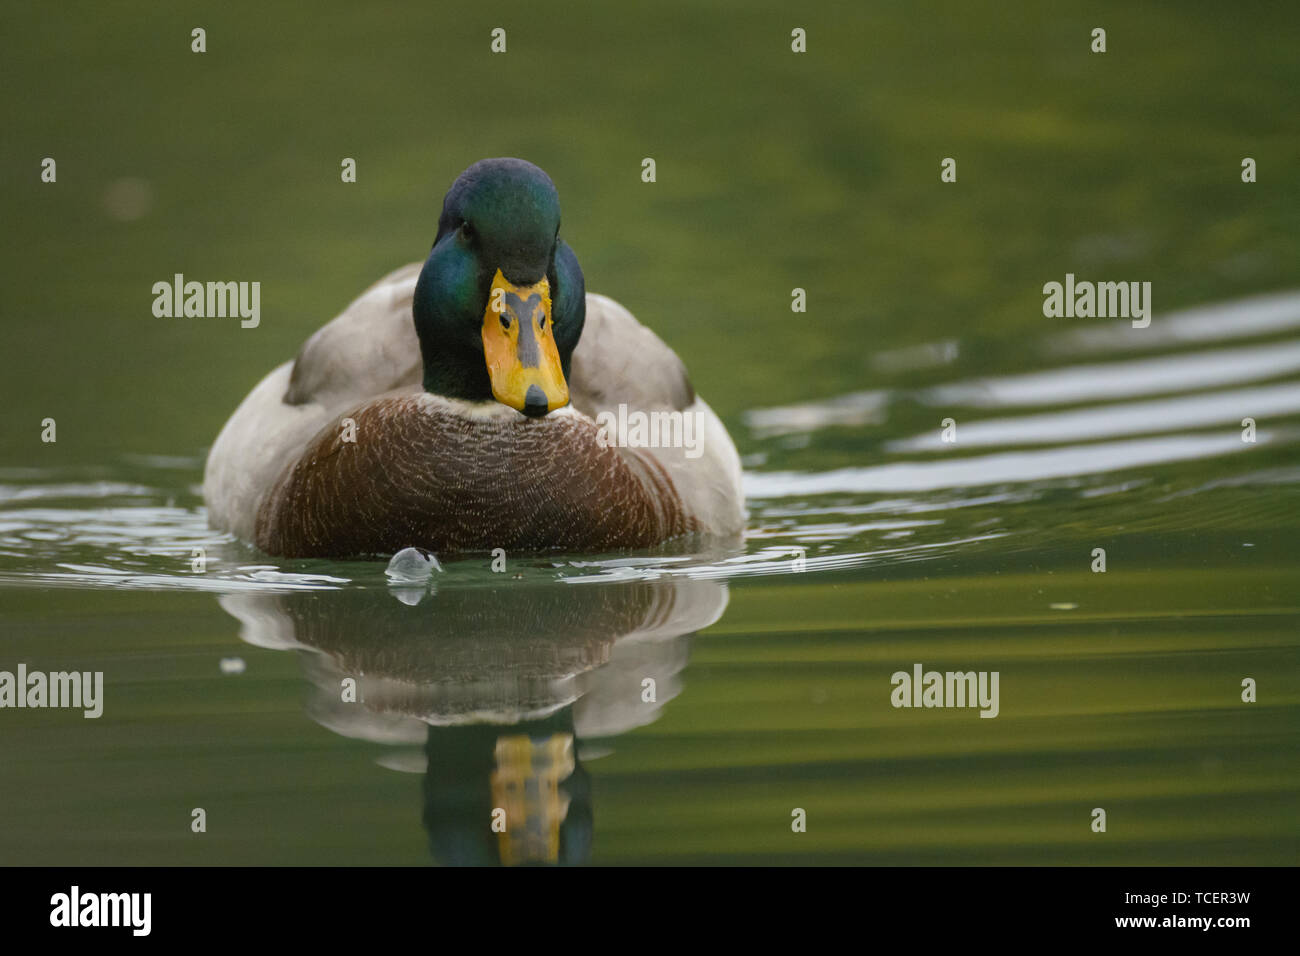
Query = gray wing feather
x=619 y=360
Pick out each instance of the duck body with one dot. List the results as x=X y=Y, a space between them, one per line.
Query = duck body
x=498 y=483
x=399 y=425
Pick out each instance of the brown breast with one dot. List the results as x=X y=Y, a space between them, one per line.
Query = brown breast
x=419 y=475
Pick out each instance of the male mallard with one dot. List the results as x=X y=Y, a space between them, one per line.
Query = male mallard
x=486 y=435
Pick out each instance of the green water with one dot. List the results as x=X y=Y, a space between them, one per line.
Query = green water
x=873 y=545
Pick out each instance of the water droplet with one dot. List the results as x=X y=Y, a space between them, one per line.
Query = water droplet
x=412 y=566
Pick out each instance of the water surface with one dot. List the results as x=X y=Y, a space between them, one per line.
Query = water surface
x=771 y=664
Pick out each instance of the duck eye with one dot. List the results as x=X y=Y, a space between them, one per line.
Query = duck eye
x=466 y=231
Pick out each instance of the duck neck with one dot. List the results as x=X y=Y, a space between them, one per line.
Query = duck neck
x=462 y=377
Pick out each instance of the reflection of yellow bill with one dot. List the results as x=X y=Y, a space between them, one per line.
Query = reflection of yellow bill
x=519 y=347
x=528 y=807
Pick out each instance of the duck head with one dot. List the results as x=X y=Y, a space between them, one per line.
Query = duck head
x=500 y=302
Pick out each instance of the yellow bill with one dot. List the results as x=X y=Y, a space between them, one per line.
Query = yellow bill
x=519 y=347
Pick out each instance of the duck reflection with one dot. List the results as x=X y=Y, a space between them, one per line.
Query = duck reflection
x=508 y=688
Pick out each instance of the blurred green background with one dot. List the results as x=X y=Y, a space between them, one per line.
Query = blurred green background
x=775 y=170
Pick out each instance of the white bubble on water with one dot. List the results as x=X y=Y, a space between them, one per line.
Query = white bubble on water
x=412 y=566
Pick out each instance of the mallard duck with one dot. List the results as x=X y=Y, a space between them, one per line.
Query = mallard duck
x=468 y=403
